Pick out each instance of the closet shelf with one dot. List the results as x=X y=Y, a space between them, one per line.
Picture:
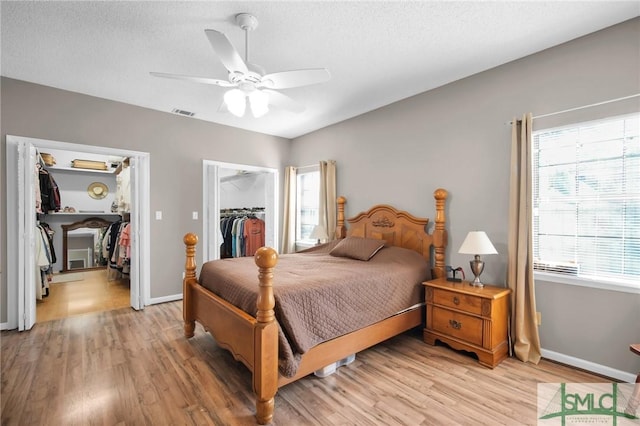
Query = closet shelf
x=75 y=170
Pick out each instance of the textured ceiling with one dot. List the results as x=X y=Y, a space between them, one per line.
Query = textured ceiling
x=377 y=52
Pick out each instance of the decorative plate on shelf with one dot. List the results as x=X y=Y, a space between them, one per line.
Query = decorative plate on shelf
x=98 y=190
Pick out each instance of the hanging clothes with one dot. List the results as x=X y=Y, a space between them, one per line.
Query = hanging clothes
x=36 y=176
x=253 y=235
x=49 y=232
x=49 y=192
x=44 y=259
x=125 y=245
x=123 y=189
x=242 y=231
x=116 y=246
x=226 y=226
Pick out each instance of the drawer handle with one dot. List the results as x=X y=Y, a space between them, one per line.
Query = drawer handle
x=455 y=324
x=456 y=301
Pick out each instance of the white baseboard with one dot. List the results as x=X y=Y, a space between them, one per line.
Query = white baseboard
x=589 y=366
x=164 y=299
x=4 y=325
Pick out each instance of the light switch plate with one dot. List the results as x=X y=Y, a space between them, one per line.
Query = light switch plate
x=158 y=215
x=194 y=215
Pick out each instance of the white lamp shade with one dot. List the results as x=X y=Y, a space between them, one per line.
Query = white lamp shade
x=319 y=233
x=259 y=102
x=236 y=102
x=477 y=242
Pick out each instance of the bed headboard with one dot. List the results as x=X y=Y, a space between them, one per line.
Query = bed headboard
x=401 y=229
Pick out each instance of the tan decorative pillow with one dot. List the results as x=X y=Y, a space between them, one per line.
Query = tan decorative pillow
x=357 y=248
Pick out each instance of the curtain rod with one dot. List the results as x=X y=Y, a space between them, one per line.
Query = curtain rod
x=582 y=107
x=307 y=167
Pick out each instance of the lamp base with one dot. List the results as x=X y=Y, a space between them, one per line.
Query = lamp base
x=476 y=282
x=477 y=266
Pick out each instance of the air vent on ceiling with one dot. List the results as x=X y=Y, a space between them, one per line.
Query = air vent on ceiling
x=183 y=112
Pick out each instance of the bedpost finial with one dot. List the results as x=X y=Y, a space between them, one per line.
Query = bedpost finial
x=190 y=239
x=266 y=257
x=440 y=194
x=341 y=200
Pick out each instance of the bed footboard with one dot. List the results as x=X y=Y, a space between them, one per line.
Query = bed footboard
x=190 y=241
x=254 y=341
x=265 y=373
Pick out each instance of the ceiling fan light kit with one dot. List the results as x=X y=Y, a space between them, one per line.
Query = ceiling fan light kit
x=249 y=83
x=259 y=101
x=236 y=102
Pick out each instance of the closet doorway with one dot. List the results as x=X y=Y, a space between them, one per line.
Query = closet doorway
x=240 y=189
x=22 y=157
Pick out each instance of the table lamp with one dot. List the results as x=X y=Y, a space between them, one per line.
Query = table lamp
x=477 y=243
x=319 y=233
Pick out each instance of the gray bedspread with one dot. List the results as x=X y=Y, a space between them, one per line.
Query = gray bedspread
x=319 y=296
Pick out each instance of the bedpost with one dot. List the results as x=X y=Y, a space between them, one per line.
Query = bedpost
x=341 y=231
x=440 y=237
x=265 y=372
x=190 y=241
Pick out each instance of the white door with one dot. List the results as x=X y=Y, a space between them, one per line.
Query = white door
x=140 y=270
x=21 y=222
x=29 y=238
x=211 y=216
x=26 y=224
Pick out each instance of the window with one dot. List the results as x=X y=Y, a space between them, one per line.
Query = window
x=307 y=205
x=586 y=190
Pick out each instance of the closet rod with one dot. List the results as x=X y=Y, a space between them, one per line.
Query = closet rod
x=583 y=107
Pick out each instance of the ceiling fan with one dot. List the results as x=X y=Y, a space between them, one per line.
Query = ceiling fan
x=248 y=82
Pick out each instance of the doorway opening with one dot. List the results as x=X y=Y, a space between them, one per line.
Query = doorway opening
x=79 y=278
x=235 y=191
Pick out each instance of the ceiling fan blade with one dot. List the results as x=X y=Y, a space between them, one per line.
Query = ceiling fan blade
x=205 y=80
x=280 y=101
x=228 y=54
x=295 y=78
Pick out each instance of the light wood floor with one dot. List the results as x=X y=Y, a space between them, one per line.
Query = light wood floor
x=94 y=293
x=136 y=368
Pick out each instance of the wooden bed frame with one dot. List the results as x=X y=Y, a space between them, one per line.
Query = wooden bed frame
x=254 y=341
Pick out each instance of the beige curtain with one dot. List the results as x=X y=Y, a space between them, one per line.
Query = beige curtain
x=327 y=214
x=526 y=341
x=289 y=214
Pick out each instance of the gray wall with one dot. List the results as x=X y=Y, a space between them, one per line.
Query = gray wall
x=455 y=137
x=177 y=146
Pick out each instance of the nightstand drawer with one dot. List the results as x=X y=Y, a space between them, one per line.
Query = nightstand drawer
x=463 y=302
x=454 y=324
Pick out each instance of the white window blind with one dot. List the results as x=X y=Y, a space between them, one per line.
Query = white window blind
x=586 y=190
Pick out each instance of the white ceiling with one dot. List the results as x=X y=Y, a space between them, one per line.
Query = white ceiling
x=377 y=52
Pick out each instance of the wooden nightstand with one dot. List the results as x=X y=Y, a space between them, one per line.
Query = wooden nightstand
x=470 y=318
